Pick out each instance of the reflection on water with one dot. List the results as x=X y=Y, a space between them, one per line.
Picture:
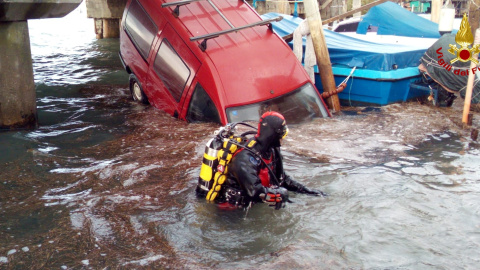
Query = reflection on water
x=104 y=182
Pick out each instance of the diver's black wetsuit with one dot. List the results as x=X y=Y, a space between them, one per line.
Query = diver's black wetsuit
x=245 y=181
x=244 y=174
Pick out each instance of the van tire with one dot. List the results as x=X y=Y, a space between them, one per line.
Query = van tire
x=136 y=90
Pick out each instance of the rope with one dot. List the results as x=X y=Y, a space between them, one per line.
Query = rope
x=349 y=94
x=349 y=75
x=433 y=62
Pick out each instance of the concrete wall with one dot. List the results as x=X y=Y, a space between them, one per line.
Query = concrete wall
x=105 y=8
x=16 y=10
x=107 y=15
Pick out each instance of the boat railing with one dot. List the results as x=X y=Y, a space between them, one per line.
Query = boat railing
x=203 y=44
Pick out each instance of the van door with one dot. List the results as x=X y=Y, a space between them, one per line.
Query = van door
x=171 y=72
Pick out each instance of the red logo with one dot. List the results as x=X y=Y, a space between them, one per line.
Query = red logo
x=221 y=168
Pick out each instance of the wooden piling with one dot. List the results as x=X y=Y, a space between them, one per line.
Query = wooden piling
x=466 y=119
x=312 y=14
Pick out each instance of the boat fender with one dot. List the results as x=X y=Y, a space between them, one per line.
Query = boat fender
x=339 y=89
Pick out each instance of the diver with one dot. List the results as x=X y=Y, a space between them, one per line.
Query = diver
x=255 y=172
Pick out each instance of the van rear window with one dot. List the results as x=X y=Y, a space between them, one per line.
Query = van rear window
x=171 y=69
x=140 y=28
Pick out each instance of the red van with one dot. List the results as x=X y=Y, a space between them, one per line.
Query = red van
x=213 y=61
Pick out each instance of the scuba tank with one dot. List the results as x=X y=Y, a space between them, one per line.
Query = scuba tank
x=209 y=165
x=218 y=152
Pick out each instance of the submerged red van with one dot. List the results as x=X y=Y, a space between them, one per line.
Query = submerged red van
x=213 y=61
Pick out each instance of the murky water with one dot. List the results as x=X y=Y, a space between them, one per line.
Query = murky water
x=104 y=182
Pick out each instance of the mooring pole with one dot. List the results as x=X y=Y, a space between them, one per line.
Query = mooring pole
x=312 y=14
x=471 y=78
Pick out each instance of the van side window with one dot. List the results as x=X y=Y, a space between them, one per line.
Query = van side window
x=201 y=108
x=171 y=69
x=140 y=28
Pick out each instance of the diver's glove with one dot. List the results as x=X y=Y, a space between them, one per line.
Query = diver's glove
x=275 y=197
x=313 y=192
x=295 y=186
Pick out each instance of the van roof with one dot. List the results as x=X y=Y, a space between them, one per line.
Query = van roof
x=252 y=63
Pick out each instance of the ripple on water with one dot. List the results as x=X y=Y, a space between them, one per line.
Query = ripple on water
x=121 y=178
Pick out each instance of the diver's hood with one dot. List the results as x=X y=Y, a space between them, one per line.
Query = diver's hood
x=271 y=129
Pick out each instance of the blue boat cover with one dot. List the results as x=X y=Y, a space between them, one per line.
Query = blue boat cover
x=347 y=51
x=392 y=19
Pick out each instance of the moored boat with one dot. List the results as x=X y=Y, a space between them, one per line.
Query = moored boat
x=384 y=73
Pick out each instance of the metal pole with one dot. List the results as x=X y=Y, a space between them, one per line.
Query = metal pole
x=221 y=14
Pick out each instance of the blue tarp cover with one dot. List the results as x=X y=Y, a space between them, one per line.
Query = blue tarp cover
x=391 y=19
x=349 y=52
x=445 y=74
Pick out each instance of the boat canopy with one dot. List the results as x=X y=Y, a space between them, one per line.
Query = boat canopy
x=347 y=51
x=392 y=19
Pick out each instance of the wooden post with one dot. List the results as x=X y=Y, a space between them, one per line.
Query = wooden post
x=436 y=7
x=312 y=14
x=471 y=78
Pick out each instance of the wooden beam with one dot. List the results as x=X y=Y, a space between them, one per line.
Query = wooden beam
x=289 y=37
x=312 y=14
x=466 y=119
x=353 y=11
x=326 y=4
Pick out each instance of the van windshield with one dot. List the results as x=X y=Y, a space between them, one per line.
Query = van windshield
x=298 y=106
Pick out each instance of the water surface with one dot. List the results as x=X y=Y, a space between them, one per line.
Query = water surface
x=105 y=182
